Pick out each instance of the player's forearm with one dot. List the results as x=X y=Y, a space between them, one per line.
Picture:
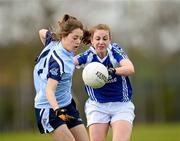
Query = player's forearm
x=52 y=99
x=125 y=70
x=50 y=93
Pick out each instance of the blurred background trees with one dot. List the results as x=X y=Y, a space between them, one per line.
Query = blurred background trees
x=149 y=31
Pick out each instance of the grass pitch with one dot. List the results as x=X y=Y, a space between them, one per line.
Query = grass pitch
x=141 y=132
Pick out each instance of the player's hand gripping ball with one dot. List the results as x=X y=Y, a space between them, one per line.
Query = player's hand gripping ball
x=95 y=75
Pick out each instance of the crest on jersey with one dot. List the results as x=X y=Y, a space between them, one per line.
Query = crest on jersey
x=54 y=71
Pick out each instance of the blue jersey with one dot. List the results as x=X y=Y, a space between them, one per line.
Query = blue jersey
x=118 y=88
x=57 y=63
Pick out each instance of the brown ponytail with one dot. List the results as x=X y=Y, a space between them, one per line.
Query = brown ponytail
x=86 y=37
x=67 y=25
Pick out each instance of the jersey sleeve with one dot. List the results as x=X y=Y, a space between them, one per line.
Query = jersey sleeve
x=48 y=38
x=55 y=69
x=85 y=57
x=118 y=52
x=81 y=58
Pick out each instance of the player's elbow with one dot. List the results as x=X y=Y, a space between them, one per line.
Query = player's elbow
x=42 y=33
x=131 y=70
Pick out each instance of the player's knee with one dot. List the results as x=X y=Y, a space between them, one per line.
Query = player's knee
x=98 y=138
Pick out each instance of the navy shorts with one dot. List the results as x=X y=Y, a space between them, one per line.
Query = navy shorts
x=47 y=121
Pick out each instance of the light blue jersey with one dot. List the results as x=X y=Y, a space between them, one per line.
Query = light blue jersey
x=118 y=88
x=57 y=63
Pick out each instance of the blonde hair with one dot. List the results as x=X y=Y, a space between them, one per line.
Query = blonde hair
x=88 y=34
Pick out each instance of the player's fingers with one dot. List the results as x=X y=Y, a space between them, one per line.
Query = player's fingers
x=63 y=117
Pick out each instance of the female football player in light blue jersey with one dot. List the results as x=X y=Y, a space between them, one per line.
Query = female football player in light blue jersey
x=55 y=108
x=111 y=105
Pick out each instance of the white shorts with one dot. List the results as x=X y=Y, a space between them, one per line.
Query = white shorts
x=109 y=112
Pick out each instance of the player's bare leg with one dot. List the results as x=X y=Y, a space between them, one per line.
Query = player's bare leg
x=121 y=130
x=62 y=133
x=80 y=133
x=98 y=132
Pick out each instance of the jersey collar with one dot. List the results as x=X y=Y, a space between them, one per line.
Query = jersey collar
x=60 y=47
x=94 y=51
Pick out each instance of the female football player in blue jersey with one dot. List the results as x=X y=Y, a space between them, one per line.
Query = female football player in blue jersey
x=55 y=108
x=111 y=105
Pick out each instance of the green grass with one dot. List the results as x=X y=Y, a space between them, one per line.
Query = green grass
x=156 y=132
x=141 y=132
x=24 y=136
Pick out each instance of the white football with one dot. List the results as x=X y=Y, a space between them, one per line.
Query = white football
x=95 y=75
